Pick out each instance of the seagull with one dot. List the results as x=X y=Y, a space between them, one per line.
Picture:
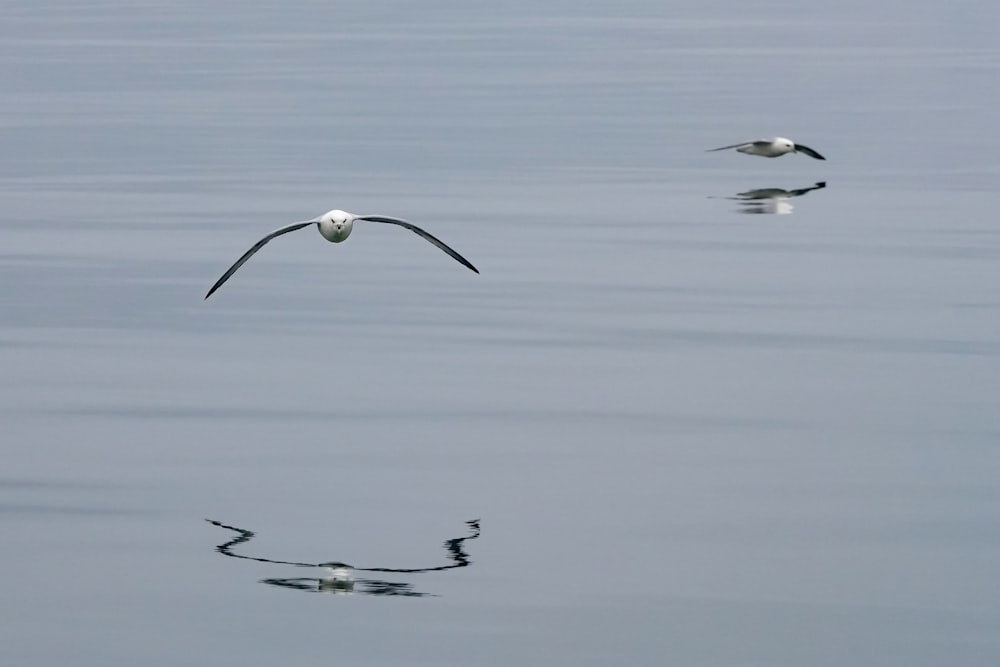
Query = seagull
x=775 y=147
x=335 y=226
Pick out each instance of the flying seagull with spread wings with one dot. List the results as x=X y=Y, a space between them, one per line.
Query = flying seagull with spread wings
x=336 y=226
x=775 y=147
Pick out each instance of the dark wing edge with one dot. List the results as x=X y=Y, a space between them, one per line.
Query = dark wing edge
x=429 y=237
x=256 y=246
x=799 y=148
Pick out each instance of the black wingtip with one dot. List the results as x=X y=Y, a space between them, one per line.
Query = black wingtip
x=799 y=148
x=212 y=291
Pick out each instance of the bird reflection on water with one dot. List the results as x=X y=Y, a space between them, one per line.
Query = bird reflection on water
x=340 y=576
x=771 y=200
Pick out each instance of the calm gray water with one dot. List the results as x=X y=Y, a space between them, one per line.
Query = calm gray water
x=690 y=436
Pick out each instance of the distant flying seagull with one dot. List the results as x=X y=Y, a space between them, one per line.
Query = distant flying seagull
x=771 y=148
x=335 y=226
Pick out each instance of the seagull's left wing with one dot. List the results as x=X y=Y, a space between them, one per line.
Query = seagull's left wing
x=416 y=230
x=799 y=148
x=722 y=148
x=256 y=246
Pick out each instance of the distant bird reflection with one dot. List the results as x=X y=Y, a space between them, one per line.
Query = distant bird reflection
x=340 y=577
x=771 y=200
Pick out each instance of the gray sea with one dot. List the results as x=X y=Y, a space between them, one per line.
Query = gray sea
x=654 y=430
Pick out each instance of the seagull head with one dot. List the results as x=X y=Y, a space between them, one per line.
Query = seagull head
x=336 y=225
x=786 y=145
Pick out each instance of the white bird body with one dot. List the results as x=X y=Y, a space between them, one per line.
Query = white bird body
x=335 y=226
x=775 y=147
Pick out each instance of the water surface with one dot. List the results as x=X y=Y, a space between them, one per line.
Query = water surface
x=690 y=436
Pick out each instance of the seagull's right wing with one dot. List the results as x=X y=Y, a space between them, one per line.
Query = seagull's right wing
x=422 y=234
x=808 y=151
x=723 y=148
x=256 y=246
